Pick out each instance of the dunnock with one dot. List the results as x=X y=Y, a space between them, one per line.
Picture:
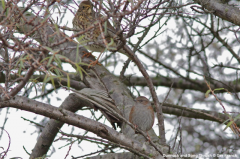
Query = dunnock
x=142 y=114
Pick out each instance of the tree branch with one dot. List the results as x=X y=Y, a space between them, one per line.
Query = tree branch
x=79 y=121
x=224 y=11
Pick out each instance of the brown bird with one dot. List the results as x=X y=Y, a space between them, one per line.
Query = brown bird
x=98 y=38
x=142 y=114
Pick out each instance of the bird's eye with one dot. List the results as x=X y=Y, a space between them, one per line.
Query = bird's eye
x=83 y=7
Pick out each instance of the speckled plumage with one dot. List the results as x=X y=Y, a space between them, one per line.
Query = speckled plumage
x=85 y=18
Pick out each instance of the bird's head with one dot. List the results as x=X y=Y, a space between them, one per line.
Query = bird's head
x=143 y=100
x=85 y=7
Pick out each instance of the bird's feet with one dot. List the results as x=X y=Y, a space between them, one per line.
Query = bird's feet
x=87 y=54
x=135 y=128
x=148 y=137
x=93 y=63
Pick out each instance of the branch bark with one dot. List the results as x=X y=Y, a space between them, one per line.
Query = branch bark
x=72 y=103
x=224 y=11
x=79 y=121
x=181 y=84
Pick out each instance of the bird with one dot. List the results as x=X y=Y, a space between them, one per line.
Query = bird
x=142 y=114
x=98 y=38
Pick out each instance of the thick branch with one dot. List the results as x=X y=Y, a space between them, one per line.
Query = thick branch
x=180 y=84
x=194 y=113
x=221 y=10
x=71 y=103
x=79 y=121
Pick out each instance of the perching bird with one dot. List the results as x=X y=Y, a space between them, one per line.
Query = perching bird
x=142 y=114
x=96 y=39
